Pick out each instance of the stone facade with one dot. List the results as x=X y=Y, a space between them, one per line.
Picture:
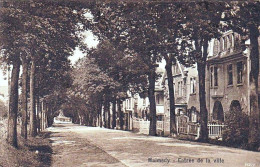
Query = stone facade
x=227 y=76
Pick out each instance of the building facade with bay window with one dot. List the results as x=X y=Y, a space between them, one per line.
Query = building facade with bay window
x=227 y=75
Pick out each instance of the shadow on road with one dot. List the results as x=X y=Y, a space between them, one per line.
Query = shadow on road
x=43 y=148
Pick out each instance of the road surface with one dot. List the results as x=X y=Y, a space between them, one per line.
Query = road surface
x=74 y=145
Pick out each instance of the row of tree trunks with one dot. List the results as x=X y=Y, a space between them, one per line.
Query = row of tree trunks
x=37 y=122
x=104 y=116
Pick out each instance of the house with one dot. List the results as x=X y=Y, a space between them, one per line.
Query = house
x=185 y=81
x=227 y=77
x=139 y=106
x=227 y=82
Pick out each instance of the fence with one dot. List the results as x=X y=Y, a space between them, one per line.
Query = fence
x=215 y=130
x=188 y=128
x=183 y=127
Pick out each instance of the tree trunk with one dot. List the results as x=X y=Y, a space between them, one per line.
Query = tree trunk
x=254 y=133
x=109 y=116
x=104 y=117
x=168 y=68
x=114 y=114
x=38 y=113
x=151 y=96
x=120 y=114
x=33 y=124
x=13 y=106
x=99 y=108
x=100 y=119
x=107 y=110
x=202 y=95
x=24 y=99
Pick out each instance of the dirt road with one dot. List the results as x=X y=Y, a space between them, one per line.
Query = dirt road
x=74 y=145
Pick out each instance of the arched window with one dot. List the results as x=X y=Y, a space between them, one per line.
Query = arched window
x=218 y=113
x=235 y=106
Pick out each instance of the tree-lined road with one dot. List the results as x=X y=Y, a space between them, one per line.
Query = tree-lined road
x=75 y=145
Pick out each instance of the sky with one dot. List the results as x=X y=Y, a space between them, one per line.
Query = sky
x=90 y=40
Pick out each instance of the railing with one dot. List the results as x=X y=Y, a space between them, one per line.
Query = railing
x=187 y=128
x=215 y=130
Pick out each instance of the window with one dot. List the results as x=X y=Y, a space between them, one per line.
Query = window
x=239 y=72
x=229 y=43
x=221 y=44
x=215 y=47
x=225 y=43
x=159 y=99
x=180 y=88
x=128 y=104
x=211 y=76
x=230 y=74
x=232 y=40
x=193 y=116
x=192 y=85
x=215 y=76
